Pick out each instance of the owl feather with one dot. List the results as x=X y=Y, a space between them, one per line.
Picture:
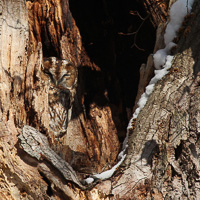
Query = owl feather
x=62 y=76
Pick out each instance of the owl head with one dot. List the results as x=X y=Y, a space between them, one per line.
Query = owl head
x=61 y=72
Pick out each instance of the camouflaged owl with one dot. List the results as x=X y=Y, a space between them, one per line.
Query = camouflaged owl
x=62 y=79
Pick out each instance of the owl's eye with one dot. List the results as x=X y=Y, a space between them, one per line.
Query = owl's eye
x=65 y=76
x=49 y=74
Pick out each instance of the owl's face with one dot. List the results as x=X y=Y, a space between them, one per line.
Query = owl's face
x=61 y=72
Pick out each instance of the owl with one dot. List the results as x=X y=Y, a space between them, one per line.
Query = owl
x=62 y=80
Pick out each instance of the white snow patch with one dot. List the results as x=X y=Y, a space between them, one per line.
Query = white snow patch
x=149 y=88
x=159 y=74
x=177 y=13
x=161 y=60
x=107 y=174
x=122 y=153
x=89 y=180
x=161 y=55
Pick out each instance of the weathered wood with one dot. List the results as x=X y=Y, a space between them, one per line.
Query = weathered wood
x=37 y=145
x=53 y=25
x=146 y=73
x=13 y=60
x=163 y=146
x=30 y=31
x=158 y=10
x=163 y=153
x=19 y=178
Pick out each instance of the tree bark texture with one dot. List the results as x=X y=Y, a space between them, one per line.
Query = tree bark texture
x=163 y=154
x=157 y=9
x=87 y=144
x=29 y=31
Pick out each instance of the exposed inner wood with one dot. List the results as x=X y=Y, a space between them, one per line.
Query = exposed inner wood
x=163 y=152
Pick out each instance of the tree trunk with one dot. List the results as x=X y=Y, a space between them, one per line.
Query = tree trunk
x=158 y=10
x=163 y=152
x=86 y=146
x=29 y=32
x=163 y=158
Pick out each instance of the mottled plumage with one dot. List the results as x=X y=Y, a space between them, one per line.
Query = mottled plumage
x=62 y=76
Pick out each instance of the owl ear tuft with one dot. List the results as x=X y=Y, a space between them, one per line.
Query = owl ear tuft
x=46 y=64
x=70 y=64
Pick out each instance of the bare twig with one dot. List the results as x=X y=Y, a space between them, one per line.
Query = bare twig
x=136 y=13
x=136 y=32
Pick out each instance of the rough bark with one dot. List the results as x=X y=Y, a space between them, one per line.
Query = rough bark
x=86 y=146
x=158 y=10
x=164 y=143
x=163 y=155
x=29 y=32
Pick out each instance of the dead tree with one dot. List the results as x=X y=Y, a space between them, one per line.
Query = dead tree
x=163 y=154
x=29 y=32
x=163 y=158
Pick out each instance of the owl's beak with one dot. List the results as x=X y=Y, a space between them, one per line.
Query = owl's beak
x=56 y=83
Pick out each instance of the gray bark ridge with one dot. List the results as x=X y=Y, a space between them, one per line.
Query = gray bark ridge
x=36 y=145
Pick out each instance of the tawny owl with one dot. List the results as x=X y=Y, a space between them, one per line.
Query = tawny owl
x=62 y=76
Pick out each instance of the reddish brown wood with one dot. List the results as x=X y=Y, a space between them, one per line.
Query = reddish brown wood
x=158 y=10
x=87 y=145
x=163 y=153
